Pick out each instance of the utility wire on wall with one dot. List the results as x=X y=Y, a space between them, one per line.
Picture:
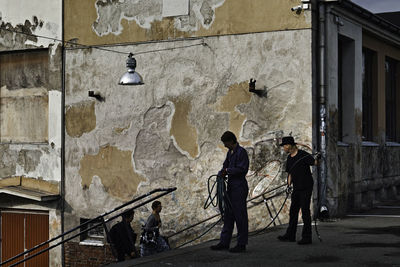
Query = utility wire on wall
x=73 y=43
x=131 y=77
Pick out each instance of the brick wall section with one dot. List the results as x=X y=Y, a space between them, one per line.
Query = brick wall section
x=87 y=256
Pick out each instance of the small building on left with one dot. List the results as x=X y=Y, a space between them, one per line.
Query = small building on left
x=30 y=128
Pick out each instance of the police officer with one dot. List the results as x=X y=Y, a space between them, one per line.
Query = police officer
x=298 y=168
x=235 y=167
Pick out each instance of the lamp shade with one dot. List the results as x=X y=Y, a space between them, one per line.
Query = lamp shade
x=131 y=77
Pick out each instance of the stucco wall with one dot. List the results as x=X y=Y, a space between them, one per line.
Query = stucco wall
x=30 y=90
x=167 y=131
x=30 y=99
x=107 y=22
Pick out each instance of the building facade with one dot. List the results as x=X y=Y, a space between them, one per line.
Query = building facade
x=362 y=99
x=326 y=70
x=30 y=127
x=196 y=59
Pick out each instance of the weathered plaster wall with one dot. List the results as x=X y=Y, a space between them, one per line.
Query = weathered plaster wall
x=30 y=103
x=381 y=181
x=30 y=84
x=34 y=17
x=167 y=132
x=108 y=21
x=360 y=172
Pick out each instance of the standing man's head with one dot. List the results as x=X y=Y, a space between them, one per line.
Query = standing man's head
x=288 y=144
x=156 y=206
x=229 y=140
x=128 y=215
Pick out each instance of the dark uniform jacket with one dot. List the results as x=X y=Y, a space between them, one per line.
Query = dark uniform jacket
x=299 y=168
x=237 y=164
x=123 y=238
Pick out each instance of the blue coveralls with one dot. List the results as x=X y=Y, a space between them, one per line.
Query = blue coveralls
x=237 y=165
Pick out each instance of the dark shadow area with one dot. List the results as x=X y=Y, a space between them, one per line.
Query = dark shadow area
x=390 y=230
x=373 y=245
x=321 y=259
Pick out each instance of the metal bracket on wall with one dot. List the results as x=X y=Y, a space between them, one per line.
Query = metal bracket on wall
x=97 y=96
x=260 y=92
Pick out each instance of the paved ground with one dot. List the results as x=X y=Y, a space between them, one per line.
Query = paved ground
x=367 y=239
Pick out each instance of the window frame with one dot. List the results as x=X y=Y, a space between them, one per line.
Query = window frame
x=368 y=86
x=391 y=99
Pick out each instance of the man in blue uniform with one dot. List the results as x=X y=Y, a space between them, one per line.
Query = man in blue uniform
x=235 y=167
x=298 y=168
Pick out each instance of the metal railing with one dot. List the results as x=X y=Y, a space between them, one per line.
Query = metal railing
x=162 y=191
x=265 y=197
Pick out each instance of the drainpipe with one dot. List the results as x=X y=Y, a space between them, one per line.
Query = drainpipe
x=323 y=209
x=62 y=133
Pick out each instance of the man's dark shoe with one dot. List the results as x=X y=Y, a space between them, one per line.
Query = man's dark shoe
x=219 y=246
x=304 y=242
x=238 y=249
x=285 y=238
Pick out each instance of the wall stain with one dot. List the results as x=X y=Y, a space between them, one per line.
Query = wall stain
x=16 y=41
x=184 y=133
x=29 y=159
x=119 y=130
x=24 y=69
x=29 y=112
x=80 y=119
x=237 y=94
x=115 y=170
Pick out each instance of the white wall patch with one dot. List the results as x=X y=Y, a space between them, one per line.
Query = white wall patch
x=172 y=8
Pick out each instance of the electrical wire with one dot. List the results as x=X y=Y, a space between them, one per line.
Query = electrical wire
x=203 y=43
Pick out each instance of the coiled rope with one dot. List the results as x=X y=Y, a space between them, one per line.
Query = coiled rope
x=219 y=199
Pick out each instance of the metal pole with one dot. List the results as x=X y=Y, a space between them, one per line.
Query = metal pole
x=322 y=107
x=62 y=132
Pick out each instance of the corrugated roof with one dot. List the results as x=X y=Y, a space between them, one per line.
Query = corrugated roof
x=28 y=193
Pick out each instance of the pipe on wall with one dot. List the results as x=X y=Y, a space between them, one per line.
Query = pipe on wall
x=62 y=132
x=323 y=205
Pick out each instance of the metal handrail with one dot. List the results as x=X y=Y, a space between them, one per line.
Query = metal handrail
x=209 y=218
x=164 y=190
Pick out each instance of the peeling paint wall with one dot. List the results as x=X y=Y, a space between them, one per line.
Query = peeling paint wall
x=167 y=132
x=185 y=135
x=30 y=103
x=114 y=168
x=237 y=94
x=30 y=94
x=34 y=17
x=80 y=119
x=110 y=22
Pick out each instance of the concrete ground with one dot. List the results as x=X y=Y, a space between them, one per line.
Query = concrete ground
x=371 y=239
